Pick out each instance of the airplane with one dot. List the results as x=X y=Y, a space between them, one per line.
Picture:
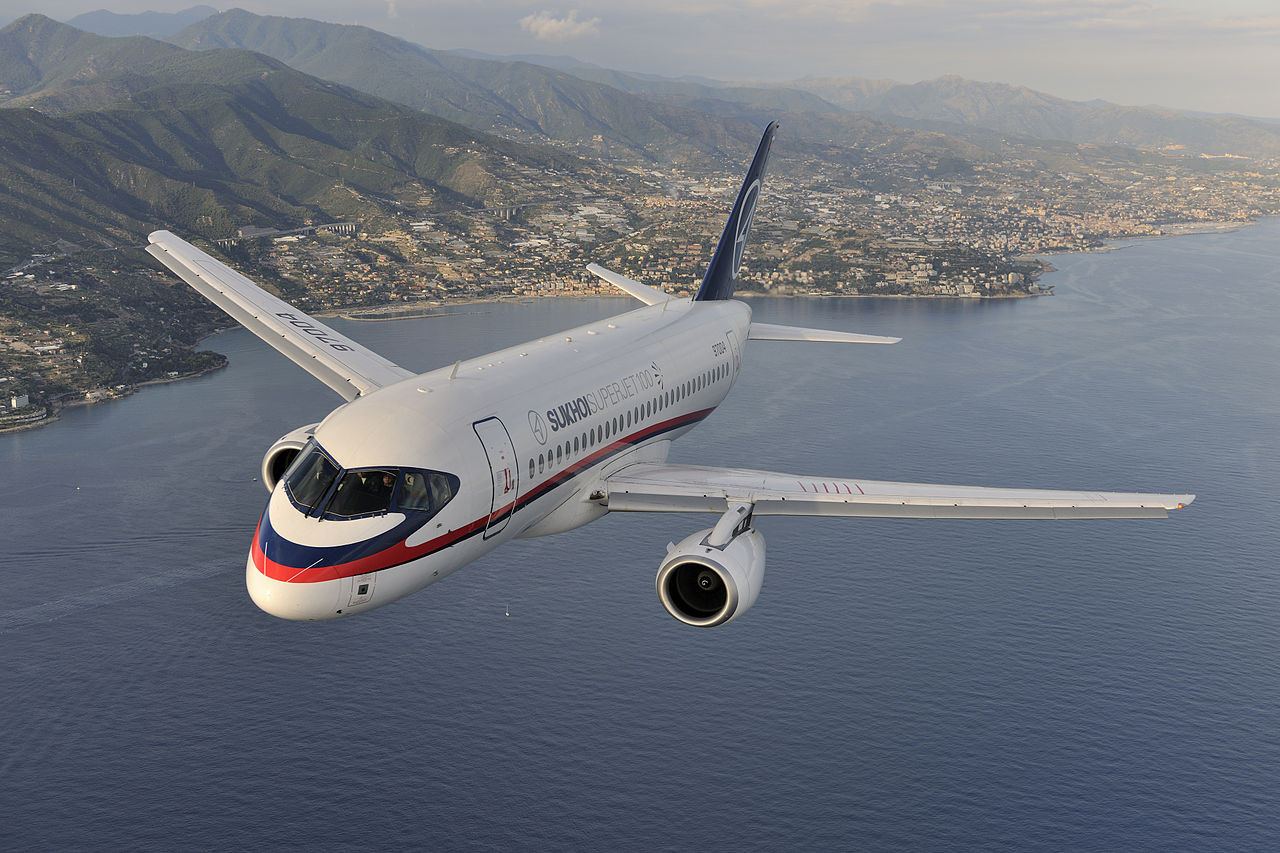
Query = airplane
x=417 y=475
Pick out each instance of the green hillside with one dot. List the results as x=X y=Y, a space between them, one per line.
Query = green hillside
x=265 y=143
x=512 y=98
x=39 y=56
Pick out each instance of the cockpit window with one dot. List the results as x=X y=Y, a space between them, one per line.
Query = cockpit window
x=424 y=491
x=310 y=485
x=308 y=479
x=376 y=491
x=363 y=492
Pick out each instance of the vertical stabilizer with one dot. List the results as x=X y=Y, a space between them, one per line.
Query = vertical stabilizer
x=722 y=275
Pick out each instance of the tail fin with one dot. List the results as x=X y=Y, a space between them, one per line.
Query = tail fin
x=722 y=275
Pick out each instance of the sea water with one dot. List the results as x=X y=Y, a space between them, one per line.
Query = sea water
x=900 y=685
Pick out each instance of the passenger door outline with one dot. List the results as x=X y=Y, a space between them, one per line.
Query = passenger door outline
x=501 y=453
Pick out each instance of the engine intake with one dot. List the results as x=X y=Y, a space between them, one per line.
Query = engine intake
x=281 y=454
x=704 y=583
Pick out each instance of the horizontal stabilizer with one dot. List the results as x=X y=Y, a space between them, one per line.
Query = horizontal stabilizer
x=646 y=294
x=339 y=362
x=773 y=332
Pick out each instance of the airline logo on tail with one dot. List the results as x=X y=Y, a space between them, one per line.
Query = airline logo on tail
x=744 y=223
x=722 y=275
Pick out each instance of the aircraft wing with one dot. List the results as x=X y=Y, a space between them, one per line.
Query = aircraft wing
x=775 y=332
x=692 y=488
x=339 y=362
x=646 y=294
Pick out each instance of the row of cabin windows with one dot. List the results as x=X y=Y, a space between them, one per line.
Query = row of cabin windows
x=555 y=457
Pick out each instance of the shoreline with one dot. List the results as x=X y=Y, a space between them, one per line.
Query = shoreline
x=370 y=314
x=1176 y=229
x=385 y=312
x=54 y=410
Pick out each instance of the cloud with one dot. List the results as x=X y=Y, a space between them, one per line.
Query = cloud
x=547 y=27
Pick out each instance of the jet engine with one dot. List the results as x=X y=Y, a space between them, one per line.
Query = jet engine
x=281 y=454
x=714 y=575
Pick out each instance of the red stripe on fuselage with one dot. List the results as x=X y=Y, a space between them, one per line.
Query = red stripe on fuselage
x=396 y=555
x=605 y=450
x=400 y=553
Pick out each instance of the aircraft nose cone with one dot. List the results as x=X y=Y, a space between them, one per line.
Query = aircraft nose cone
x=296 y=601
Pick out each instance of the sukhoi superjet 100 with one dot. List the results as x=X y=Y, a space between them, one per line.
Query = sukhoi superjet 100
x=416 y=475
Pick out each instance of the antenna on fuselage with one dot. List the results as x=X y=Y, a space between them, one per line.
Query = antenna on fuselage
x=454 y=372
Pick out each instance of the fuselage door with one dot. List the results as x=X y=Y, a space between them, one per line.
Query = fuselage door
x=506 y=473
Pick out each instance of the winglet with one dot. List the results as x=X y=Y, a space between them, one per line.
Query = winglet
x=722 y=274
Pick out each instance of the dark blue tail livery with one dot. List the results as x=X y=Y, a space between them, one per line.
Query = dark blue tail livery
x=722 y=275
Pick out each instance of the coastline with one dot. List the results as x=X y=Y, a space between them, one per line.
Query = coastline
x=53 y=412
x=401 y=311
x=1175 y=229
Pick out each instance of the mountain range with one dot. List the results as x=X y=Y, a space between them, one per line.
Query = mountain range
x=205 y=140
x=578 y=102
x=154 y=24
x=948 y=102
x=239 y=117
x=518 y=99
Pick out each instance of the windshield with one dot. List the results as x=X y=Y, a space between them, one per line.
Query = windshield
x=309 y=477
x=362 y=492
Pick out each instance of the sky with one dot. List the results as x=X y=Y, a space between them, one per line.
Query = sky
x=1221 y=56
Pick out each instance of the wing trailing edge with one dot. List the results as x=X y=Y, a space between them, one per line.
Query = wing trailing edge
x=347 y=367
x=692 y=488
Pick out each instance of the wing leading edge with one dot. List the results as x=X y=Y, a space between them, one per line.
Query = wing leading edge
x=693 y=488
x=339 y=362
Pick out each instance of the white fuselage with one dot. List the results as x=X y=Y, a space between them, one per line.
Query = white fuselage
x=528 y=431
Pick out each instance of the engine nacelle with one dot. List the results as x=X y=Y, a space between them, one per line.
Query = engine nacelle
x=704 y=585
x=281 y=454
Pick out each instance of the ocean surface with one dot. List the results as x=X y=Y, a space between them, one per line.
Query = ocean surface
x=899 y=685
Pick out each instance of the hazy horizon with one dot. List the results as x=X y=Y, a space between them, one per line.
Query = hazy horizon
x=1175 y=54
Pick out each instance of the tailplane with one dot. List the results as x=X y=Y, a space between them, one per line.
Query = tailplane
x=722 y=275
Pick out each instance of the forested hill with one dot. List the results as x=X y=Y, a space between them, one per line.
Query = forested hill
x=205 y=140
x=515 y=98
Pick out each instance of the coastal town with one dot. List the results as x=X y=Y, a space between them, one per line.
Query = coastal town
x=83 y=325
x=976 y=236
